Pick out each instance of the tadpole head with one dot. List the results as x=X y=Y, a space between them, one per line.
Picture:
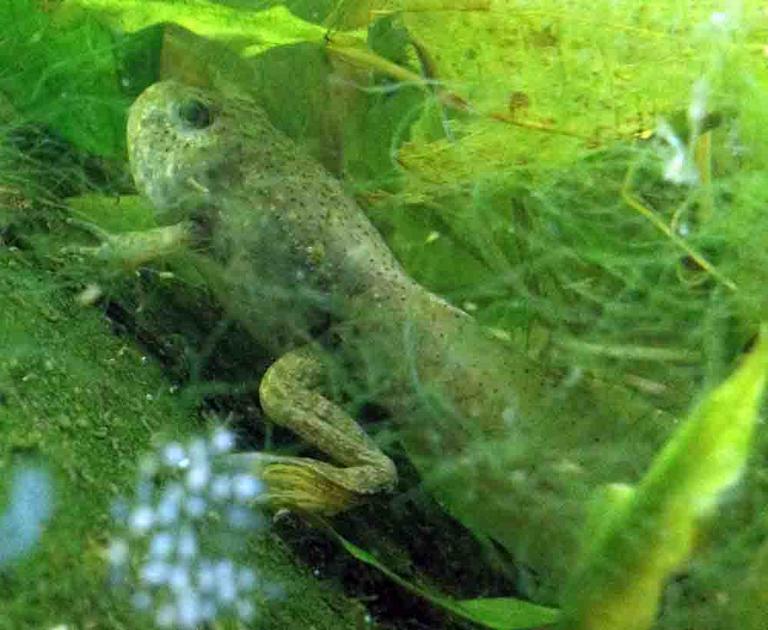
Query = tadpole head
x=183 y=146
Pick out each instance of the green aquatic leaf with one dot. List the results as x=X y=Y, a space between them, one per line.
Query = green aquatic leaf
x=251 y=32
x=503 y=613
x=499 y=613
x=647 y=534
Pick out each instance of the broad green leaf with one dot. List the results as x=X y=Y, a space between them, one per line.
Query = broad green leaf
x=251 y=32
x=499 y=613
x=648 y=534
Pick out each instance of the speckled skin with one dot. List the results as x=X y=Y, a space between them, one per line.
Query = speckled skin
x=510 y=450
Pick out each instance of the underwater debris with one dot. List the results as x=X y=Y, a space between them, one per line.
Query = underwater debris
x=182 y=533
x=680 y=167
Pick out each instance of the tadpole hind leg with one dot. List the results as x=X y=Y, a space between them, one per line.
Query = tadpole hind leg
x=291 y=396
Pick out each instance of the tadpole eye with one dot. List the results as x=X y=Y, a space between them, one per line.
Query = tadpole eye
x=195 y=113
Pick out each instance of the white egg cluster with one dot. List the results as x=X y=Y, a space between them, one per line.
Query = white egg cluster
x=182 y=533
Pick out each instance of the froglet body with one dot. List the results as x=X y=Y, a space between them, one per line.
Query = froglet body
x=510 y=449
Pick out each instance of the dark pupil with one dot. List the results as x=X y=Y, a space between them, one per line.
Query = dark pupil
x=195 y=114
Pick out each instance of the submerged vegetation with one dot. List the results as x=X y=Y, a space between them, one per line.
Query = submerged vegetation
x=588 y=183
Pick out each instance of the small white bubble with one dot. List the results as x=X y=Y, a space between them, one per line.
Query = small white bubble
x=245 y=610
x=120 y=511
x=165 y=617
x=246 y=579
x=187 y=544
x=154 y=573
x=222 y=440
x=240 y=517
x=188 y=610
x=198 y=476
x=167 y=513
x=141 y=600
x=198 y=451
x=141 y=519
x=144 y=490
x=148 y=466
x=173 y=454
x=226 y=592
x=178 y=578
x=170 y=504
x=221 y=488
x=225 y=581
x=224 y=570
x=117 y=553
x=246 y=487
x=510 y=415
x=208 y=610
x=206 y=577
x=273 y=591
x=718 y=18
x=161 y=545
x=195 y=506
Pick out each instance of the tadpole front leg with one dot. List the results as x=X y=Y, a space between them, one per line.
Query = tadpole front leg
x=133 y=249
